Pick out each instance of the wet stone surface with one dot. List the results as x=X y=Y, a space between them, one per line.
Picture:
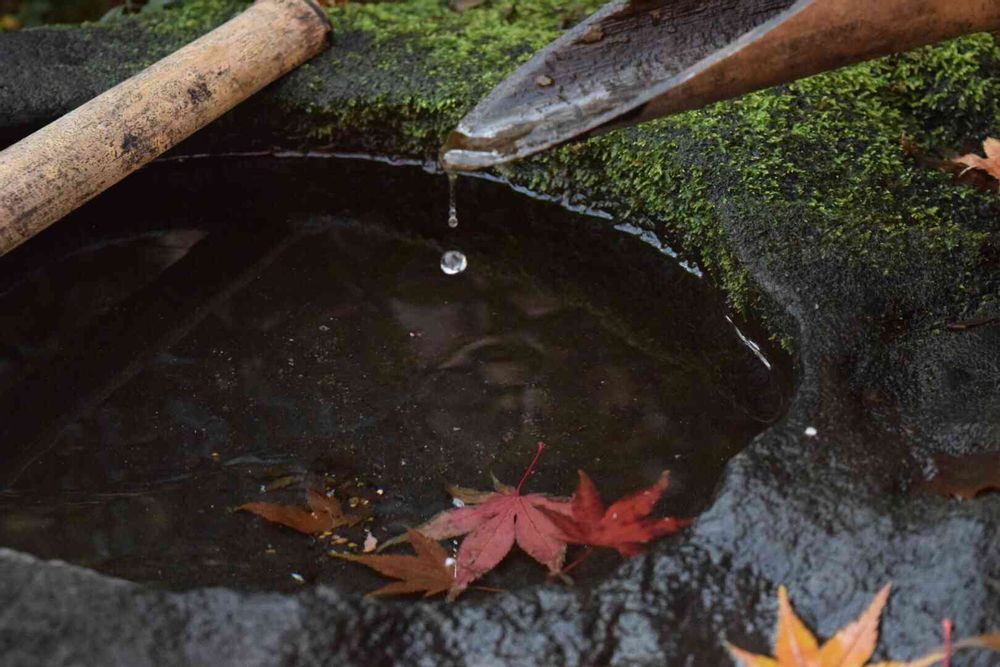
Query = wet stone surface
x=322 y=346
x=860 y=260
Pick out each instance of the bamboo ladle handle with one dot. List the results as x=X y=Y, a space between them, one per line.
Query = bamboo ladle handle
x=61 y=166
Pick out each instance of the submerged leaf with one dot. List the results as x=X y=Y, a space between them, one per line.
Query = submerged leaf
x=324 y=514
x=965 y=477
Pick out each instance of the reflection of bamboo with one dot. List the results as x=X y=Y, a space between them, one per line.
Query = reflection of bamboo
x=66 y=163
x=117 y=347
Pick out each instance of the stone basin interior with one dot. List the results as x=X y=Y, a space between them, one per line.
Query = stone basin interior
x=224 y=330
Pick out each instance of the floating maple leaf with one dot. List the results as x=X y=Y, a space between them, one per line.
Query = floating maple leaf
x=852 y=646
x=990 y=164
x=623 y=526
x=324 y=514
x=494 y=521
x=430 y=572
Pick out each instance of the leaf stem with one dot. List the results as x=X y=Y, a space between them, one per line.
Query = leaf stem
x=531 y=468
x=947 y=626
x=579 y=559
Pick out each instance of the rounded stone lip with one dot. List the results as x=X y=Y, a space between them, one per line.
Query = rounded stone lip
x=828 y=515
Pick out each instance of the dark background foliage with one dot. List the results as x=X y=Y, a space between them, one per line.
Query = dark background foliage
x=15 y=14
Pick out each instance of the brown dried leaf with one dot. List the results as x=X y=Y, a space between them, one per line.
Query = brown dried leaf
x=430 y=571
x=593 y=35
x=324 y=514
x=990 y=164
x=974 y=323
x=965 y=477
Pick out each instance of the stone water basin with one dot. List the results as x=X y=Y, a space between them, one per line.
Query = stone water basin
x=217 y=331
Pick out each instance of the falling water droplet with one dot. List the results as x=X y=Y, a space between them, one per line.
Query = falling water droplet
x=453 y=262
x=452 y=208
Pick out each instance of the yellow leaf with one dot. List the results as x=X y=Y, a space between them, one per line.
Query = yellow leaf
x=991 y=641
x=748 y=659
x=795 y=645
x=853 y=645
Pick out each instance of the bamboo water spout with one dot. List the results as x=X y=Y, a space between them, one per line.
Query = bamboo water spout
x=635 y=60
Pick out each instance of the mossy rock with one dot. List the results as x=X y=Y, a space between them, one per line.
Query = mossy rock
x=806 y=204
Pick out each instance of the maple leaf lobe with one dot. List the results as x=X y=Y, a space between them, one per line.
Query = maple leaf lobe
x=624 y=525
x=428 y=572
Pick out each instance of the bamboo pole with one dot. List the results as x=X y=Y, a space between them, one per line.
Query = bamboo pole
x=71 y=160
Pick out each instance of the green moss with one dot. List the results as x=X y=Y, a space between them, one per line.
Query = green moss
x=817 y=165
x=189 y=19
x=820 y=164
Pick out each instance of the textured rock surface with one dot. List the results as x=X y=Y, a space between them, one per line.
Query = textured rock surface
x=799 y=201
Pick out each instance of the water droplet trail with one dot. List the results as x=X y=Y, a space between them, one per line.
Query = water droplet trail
x=452 y=208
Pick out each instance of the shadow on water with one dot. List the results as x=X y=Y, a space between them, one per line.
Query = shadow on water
x=221 y=331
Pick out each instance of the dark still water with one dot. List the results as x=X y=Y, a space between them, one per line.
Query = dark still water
x=222 y=331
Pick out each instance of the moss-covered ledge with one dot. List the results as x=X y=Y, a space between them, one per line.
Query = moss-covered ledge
x=822 y=156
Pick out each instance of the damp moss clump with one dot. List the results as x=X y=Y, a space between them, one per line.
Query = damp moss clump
x=819 y=167
x=813 y=179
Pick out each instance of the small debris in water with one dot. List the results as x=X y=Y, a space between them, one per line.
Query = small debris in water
x=811 y=431
x=216 y=456
x=543 y=81
x=282 y=482
x=371 y=542
x=298 y=578
x=453 y=262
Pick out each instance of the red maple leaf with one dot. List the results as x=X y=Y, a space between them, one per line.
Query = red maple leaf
x=623 y=525
x=494 y=521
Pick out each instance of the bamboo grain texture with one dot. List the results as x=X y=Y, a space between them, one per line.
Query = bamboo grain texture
x=66 y=163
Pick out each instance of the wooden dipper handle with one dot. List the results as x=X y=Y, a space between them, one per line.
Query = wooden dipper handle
x=66 y=163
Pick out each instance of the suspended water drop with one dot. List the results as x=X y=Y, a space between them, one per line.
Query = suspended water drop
x=452 y=208
x=453 y=262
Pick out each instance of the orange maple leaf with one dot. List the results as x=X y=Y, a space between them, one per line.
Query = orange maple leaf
x=797 y=647
x=852 y=646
